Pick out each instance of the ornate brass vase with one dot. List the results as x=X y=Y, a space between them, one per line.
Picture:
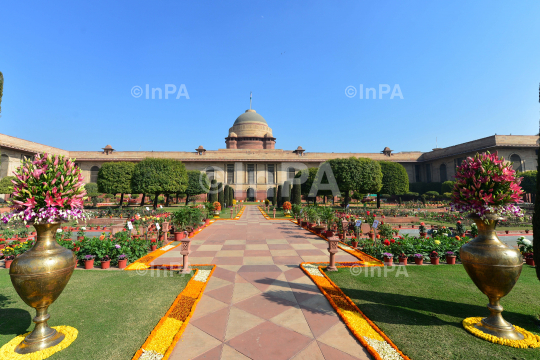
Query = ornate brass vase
x=494 y=267
x=39 y=276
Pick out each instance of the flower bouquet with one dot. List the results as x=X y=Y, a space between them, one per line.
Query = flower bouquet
x=48 y=189
x=485 y=185
x=287 y=208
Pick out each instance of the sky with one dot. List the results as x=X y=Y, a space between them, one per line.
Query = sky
x=458 y=70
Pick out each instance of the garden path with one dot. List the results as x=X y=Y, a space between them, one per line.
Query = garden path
x=258 y=303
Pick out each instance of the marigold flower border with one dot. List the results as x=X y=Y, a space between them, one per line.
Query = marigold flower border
x=7 y=350
x=530 y=341
x=173 y=306
x=353 y=307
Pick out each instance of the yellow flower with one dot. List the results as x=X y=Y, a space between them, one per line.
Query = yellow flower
x=437 y=242
x=163 y=337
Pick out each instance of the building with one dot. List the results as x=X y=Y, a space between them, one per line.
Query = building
x=252 y=165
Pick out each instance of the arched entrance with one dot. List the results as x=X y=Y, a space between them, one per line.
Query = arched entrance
x=270 y=193
x=516 y=162
x=250 y=194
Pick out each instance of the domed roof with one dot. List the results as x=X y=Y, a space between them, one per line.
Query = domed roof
x=233 y=134
x=250 y=116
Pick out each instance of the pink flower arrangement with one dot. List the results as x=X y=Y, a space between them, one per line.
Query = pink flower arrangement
x=487 y=184
x=47 y=189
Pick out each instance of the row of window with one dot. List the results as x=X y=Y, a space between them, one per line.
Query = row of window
x=443 y=176
x=251 y=177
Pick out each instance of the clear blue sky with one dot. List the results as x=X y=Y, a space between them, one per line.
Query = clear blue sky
x=466 y=69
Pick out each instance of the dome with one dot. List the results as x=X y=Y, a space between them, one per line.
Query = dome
x=250 y=116
x=233 y=134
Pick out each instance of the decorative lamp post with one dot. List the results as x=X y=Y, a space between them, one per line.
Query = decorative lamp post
x=274 y=213
x=232 y=217
x=332 y=249
x=186 y=242
x=165 y=230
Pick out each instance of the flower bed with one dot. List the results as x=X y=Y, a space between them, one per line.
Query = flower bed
x=369 y=335
x=170 y=328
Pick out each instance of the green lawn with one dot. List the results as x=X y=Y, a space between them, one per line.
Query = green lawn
x=422 y=313
x=114 y=311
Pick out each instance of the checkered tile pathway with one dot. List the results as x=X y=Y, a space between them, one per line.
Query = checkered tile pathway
x=259 y=304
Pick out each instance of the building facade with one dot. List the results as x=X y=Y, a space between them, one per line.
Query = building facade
x=252 y=166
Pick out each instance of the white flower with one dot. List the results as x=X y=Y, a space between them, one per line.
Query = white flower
x=59 y=230
x=384 y=349
x=83 y=228
x=527 y=242
x=312 y=269
x=202 y=275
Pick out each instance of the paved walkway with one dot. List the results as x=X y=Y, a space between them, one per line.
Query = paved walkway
x=259 y=304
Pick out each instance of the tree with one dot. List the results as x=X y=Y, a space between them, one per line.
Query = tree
x=231 y=196
x=198 y=183
x=296 y=194
x=286 y=192
x=213 y=197
x=448 y=186
x=159 y=176
x=279 y=199
x=394 y=180
x=115 y=177
x=92 y=192
x=6 y=186
x=305 y=187
x=360 y=174
x=529 y=181
x=274 y=197
x=226 y=196
x=221 y=198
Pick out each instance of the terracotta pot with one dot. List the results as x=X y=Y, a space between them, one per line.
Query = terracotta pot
x=418 y=261
x=423 y=235
x=106 y=264
x=207 y=221
x=451 y=260
x=80 y=237
x=354 y=244
x=76 y=262
x=529 y=261
x=340 y=236
x=179 y=236
x=122 y=264
x=526 y=231
x=434 y=260
x=190 y=234
x=329 y=233
x=399 y=226
x=388 y=261
x=89 y=264
x=161 y=237
x=371 y=236
x=403 y=260
x=153 y=247
x=8 y=263
x=507 y=231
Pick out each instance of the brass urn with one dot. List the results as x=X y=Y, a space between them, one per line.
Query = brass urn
x=39 y=276
x=494 y=268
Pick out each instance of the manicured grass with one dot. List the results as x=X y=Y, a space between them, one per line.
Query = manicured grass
x=422 y=313
x=114 y=311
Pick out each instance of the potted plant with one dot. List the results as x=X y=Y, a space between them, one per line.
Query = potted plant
x=9 y=255
x=153 y=244
x=419 y=259
x=122 y=261
x=354 y=242
x=460 y=229
x=89 y=262
x=371 y=234
x=402 y=259
x=450 y=258
x=217 y=208
x=526 y=248
x=105 y=262
x=388 y=259
x=422 y=229
x=80 y=234
x=434 y=257
x=287 y=208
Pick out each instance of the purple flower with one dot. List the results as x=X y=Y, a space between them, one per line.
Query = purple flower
x=117 y=246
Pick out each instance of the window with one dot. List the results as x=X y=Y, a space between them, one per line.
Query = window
x=291 y=172
x=94 y=174
x=442 y=170
x=428 y=172
x=251 y=173
x=230 y=173
x=516 y=162
x=210 y=173
x=250 y=193
x=270 y=170
x=417 y=172
x=4 y=164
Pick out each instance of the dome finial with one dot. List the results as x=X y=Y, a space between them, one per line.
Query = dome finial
x=250 y=95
